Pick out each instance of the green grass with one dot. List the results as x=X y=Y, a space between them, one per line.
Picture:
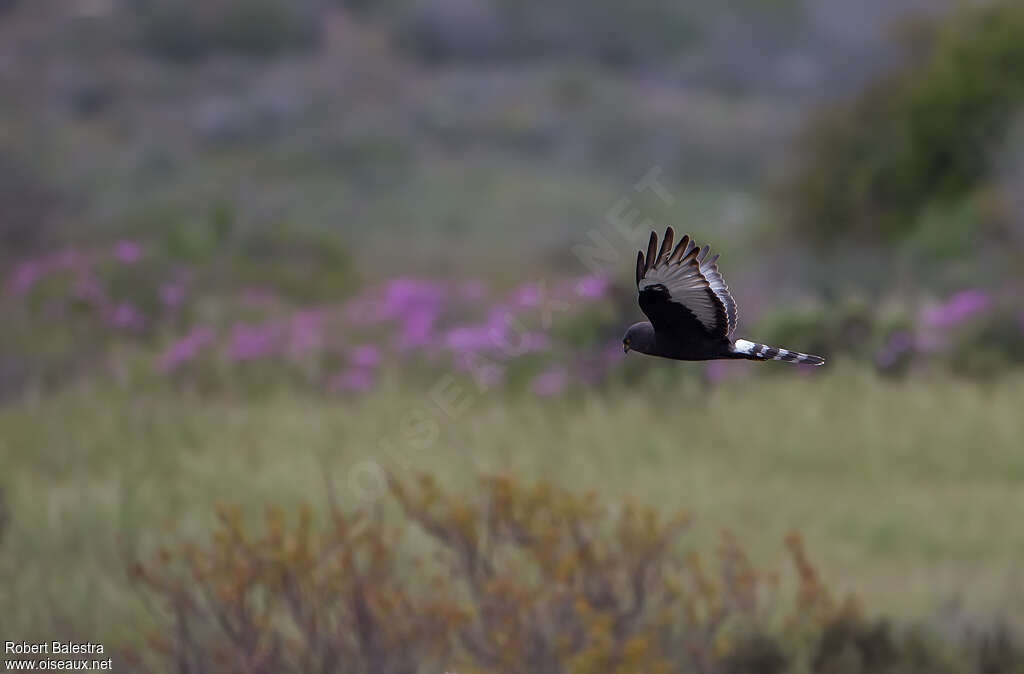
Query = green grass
x=908 y=493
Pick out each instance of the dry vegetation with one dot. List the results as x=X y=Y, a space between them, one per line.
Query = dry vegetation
x=515 y=578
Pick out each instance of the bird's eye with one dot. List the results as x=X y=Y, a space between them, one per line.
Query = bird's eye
x=626 y=342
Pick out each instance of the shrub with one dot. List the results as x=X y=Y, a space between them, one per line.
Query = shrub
x=451 y=29
x=515 y=579
x=29 y=209
x=990 y=346
x=849 y=327
x=927 y=133
x=305 y=263
x=180 y=31
x=602 y=31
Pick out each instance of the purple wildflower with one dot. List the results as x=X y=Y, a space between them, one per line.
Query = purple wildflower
x=128 y=252
x=414 y=302
x=417 y=328
x=962 y=306
x=529 y=295
x=127 y=317
x=898 y=345
x=306 y=331
x=403 y=295
x=469 y=338
x=186 y=348
x=172 y=294
x=25 y=276
x=250 y=342
x=500 y=326
x=500 y=333
x=365 y=356
x=89 y=289
x=592 y=287
x=509 y=336
x=549 y=383
x=352 y=381
x=30 y=272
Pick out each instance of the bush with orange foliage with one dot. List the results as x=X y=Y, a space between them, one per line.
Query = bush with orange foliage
x=517 y=579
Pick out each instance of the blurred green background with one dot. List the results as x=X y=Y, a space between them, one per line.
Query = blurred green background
x=267 y=252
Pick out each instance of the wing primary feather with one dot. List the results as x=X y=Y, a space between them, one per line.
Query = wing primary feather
x=652 y=250
x=687 y=275
x=666 y=244
x=677 y=254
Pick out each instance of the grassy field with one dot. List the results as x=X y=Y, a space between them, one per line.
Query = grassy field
x=907 y=493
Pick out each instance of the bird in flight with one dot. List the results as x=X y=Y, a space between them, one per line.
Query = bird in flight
x=692 y=315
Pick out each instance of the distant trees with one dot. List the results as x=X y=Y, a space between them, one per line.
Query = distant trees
x=183 y=31
x=29 y=207
x=925 y=135
x=445 y=30
x=611 y=33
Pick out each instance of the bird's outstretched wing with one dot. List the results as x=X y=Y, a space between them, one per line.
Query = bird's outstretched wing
x=681 y=289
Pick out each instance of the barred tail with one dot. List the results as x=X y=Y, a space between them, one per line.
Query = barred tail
x=755 y=351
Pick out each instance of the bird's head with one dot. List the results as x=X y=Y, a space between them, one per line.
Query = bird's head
x=639 y=337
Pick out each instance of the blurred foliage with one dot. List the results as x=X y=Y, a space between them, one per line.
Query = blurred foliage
x=71 y=307
x=29 y=209
x=988 y=347
x=199 y=240
x=181 y=31
x=851 y=328
x=309 y=263
x=221 y=307
x=519 y=579
x=987 y=340
x=925 y=134
x=608 y=32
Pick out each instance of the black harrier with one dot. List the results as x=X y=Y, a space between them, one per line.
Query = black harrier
x=692 y=313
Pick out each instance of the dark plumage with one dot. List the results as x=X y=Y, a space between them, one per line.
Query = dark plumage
x=692 y=315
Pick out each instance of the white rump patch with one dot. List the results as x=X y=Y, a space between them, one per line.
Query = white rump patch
x=743 y=346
